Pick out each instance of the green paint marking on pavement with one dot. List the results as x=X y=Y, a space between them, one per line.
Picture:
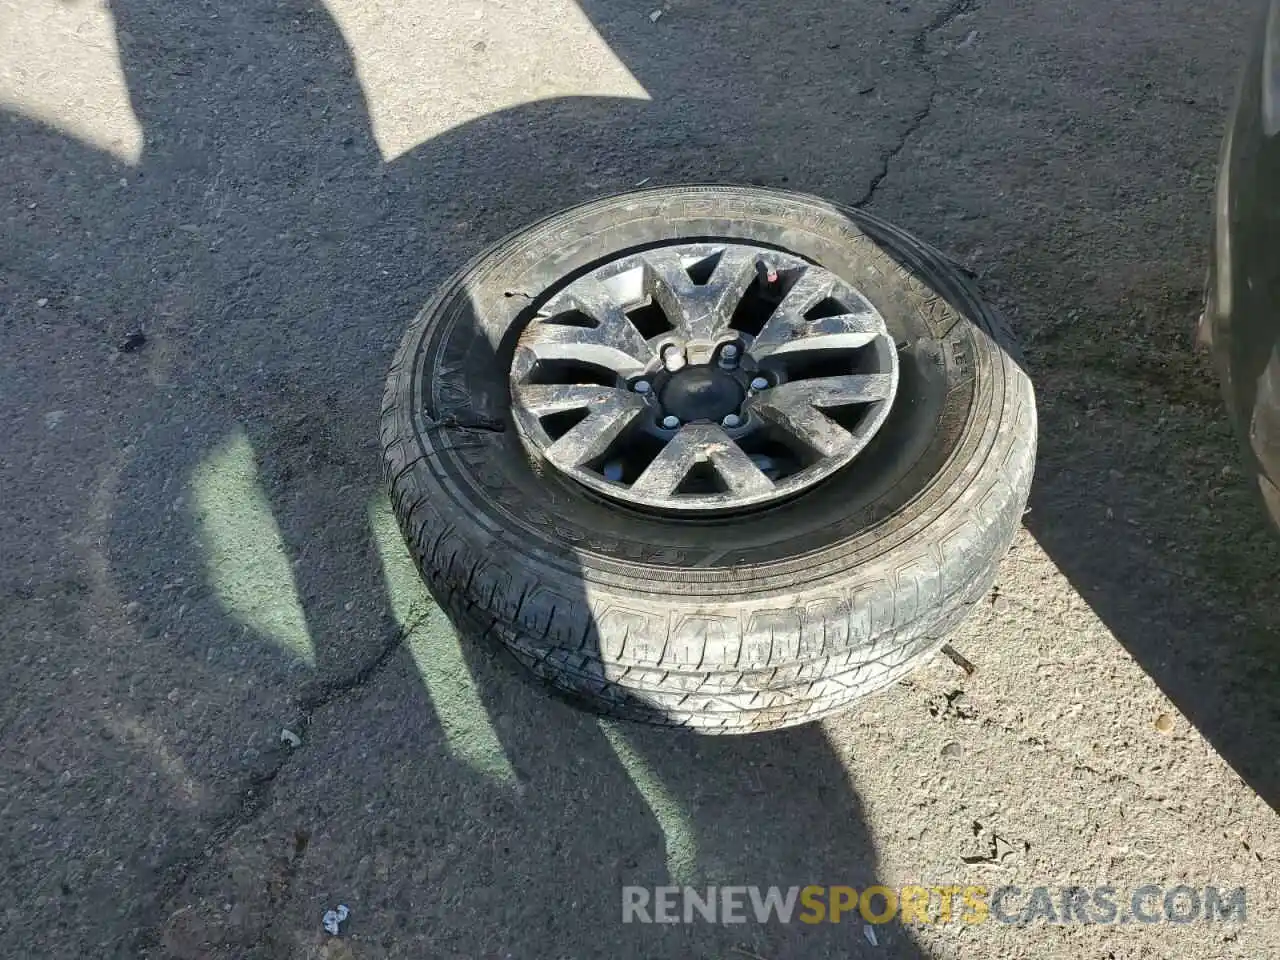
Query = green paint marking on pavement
x=435 y=649
x=245 y=556
x=673 y=817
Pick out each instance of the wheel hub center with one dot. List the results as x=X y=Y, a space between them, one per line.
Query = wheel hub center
x=701 y=393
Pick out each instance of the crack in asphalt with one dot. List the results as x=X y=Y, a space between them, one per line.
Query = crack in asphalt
x=252 y=801
x=919 y=50
x=325 y=693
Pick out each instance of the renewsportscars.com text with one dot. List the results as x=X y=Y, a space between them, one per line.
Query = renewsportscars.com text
x=933 y=905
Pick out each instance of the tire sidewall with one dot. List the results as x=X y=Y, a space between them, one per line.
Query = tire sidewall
x=460 y=353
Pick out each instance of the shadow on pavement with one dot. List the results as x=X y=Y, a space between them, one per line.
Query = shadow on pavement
x=1140 y=501
x=204 y=561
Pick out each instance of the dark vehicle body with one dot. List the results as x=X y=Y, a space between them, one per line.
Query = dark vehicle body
x=1241 y=323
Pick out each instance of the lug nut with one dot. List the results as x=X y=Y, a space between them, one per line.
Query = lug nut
x=760 y=383
x=729 y=356
x=641 y=386
x=673 y=357
x=670 y=422
x=732 y=420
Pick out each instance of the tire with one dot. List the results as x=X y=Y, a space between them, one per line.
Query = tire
x=767 y=620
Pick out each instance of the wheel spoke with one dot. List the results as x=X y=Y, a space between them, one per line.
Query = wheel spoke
x=697 y=443
x=738 y=471
x=545 y=398
x=788 y=330
x=795 y=408
x=811 y=427
x=614 y=343
x=595 y=435
x=700 y=311
x=838 y=391
x=671 y=466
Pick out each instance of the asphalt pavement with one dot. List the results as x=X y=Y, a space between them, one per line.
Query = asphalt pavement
x=229 y=705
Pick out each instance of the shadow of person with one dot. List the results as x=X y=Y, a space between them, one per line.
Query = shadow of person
x=271 y=258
